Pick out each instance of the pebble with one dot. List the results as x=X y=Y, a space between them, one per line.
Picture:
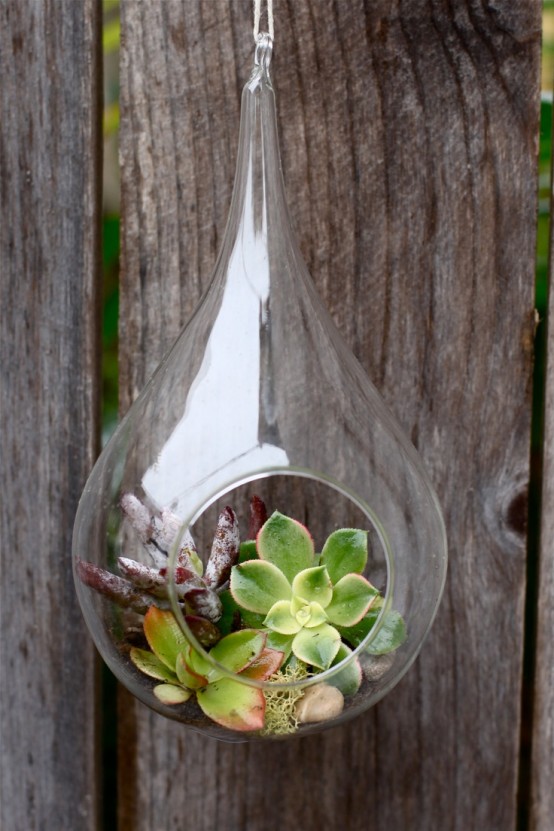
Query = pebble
x=319 y=703
x=375 y=666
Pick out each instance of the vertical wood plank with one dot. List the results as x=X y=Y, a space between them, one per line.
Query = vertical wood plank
x=542 y=766
x=409 y=136
x=50 y=174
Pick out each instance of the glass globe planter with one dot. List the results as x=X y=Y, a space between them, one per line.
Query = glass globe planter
x=258 y=551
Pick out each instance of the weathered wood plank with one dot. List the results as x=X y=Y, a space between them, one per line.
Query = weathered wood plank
x=542 y=767
x=50 y=170
x=409 y=134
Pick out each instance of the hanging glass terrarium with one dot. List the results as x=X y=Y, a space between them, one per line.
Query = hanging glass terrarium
x=258 y=551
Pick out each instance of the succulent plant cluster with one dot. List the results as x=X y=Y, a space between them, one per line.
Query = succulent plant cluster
x=185 y=672
x=269 y=609
x=301 y=599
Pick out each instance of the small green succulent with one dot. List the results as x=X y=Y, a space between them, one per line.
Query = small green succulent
x=184 y=672
x=303 y=599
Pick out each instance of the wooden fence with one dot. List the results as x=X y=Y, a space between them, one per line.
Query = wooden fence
x=409 y=137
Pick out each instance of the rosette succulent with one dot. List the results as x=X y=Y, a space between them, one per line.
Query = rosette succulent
x=302 y=599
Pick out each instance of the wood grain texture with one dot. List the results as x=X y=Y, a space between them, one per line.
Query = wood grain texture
x=409 y=134
x=542 y=767
x=50 y=170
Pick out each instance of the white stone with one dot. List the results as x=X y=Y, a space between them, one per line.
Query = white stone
x=319 y=703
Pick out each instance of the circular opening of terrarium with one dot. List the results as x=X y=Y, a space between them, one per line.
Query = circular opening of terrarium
x=280 y=581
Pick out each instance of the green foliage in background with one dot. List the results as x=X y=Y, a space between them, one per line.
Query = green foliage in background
x=111 y=30
x=110 y=319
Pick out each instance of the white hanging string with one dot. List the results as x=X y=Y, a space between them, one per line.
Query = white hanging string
x=257 y=16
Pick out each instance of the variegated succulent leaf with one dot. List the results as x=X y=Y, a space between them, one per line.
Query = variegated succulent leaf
x=164 y=635
x=345 y=552
x=248 y=551
x=233 y=705
x=265 y=665
x=313 y=584
x=186 y=674
x=317 y=646
x=390 y=636
x=286 y=544
x=150 y=665
x=256 y=585
x=171 y=694
x=235 y=652
x=349 y=678
x=352 y=597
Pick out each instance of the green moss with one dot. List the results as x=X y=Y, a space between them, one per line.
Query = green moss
x=280 y=718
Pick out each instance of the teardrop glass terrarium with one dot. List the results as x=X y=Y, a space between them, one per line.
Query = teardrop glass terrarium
x=258 y=551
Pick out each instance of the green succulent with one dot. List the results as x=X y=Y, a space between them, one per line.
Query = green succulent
x=303 y=600
x=184 y=672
